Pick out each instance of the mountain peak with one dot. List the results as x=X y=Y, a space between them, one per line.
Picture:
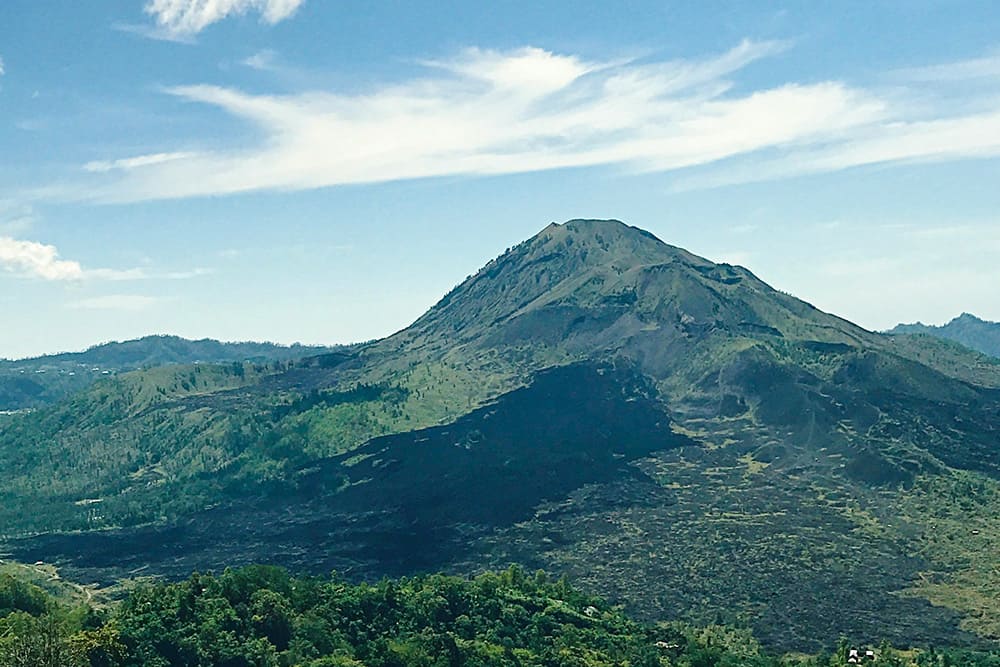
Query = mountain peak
x=578 y=263
x=593 y=226
x=596 y=228
x=968 y=318
x=587 y=243
x=591 y=286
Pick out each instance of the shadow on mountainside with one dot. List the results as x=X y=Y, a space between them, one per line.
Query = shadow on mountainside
x=408 y=502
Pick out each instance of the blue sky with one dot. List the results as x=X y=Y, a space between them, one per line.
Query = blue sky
x=324 y=170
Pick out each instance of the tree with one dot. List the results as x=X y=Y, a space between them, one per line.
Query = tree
x=38 y=642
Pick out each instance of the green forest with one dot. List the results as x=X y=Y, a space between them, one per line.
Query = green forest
x=261 y=616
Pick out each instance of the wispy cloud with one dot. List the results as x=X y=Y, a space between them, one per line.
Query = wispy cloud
x=3 y=69
x=986 y=67
x=189 y=17
x=894 y=141
x=99 y=166
x=120 y=302
x=184 y=275
x=497 y=112
x=156 y=32
x=489 y=112
x=262 y=60
x=15 y=218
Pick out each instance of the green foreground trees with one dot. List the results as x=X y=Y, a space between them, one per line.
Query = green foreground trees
x=263 y=617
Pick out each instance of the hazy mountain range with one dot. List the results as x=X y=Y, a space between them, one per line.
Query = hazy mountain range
x=28 y=383
x=671 y=433
x=965 y=329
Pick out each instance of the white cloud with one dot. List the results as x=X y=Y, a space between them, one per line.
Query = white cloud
x=3 y=70
x=487 y=112
x=31 y=259
x=121 y=302
x=492 y=112
x=37 y=260
x=528 y=69
x=189 y=17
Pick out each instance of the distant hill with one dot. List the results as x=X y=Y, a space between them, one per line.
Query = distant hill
x=673 y=434
x=969 y=330
x=30 y=383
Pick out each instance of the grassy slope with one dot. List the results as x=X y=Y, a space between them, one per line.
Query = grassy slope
x=959 y=518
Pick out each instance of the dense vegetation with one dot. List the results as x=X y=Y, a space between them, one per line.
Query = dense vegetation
x=150 y=446
x=262 y=617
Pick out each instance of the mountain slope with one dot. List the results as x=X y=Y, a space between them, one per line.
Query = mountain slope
x=966 y=329
x=673 y=433
x=30 y=383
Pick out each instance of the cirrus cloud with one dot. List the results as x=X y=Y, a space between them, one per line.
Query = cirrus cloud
x=488 y=112
x=100 y=166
